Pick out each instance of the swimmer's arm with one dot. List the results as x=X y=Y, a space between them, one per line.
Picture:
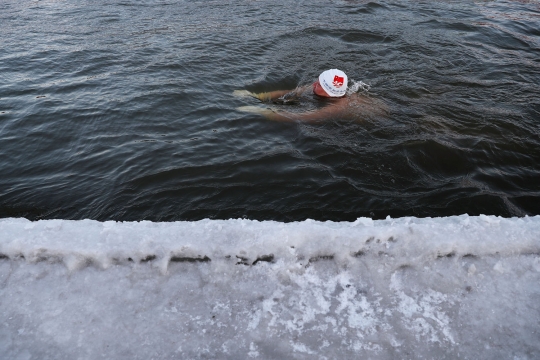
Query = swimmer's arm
x=326 y=113
x=339 y=109
x=331 y=111
x=270 y=95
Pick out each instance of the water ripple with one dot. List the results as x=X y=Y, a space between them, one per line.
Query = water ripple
x=123 y=110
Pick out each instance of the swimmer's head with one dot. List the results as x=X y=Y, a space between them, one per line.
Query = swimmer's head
x=333 y=83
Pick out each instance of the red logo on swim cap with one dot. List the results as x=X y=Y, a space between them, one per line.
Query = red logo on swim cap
x=338 y=81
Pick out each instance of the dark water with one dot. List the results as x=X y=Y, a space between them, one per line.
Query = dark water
x=123 y=109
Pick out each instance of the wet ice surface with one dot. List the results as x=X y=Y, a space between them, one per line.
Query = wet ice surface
x=452 y=287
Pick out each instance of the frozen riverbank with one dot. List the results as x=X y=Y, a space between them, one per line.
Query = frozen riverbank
x=398 y=288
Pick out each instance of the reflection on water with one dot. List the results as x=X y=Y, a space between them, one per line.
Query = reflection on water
x=114 y=110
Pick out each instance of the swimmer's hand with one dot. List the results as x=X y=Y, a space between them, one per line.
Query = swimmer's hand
x=243 y=94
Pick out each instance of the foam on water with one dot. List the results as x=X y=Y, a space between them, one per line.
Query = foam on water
x=444 y=287
x=356 y=86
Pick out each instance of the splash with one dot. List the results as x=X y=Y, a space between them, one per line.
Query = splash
x=357 y=86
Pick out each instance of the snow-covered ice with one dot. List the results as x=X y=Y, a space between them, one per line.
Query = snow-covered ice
x=456 y=287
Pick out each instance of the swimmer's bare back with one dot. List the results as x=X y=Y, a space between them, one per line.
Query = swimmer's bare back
x=350 y=107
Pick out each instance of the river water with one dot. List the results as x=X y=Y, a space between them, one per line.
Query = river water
x=124 y=110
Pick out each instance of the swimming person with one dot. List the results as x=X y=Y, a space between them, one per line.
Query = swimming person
x=329 y=93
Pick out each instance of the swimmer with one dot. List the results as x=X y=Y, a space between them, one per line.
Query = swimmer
x=330 y=89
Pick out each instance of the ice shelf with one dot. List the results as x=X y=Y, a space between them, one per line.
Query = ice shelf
x=455 y=287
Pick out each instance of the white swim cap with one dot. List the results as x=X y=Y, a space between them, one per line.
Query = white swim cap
x=334 y=82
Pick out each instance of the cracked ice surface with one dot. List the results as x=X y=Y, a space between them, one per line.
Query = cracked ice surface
x=456 y=287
